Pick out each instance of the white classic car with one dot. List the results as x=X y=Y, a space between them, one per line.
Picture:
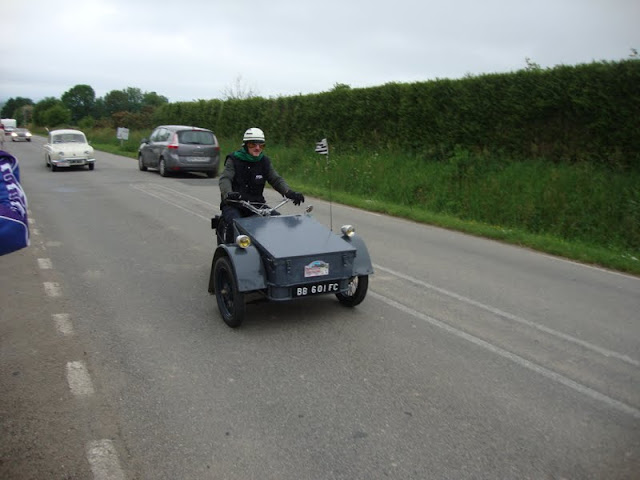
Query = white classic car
x=68 y=148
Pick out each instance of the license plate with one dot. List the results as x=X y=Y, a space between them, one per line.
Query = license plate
x=196 y=159
x=316 y=288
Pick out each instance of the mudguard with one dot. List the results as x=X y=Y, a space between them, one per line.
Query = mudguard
x=247 y=265
x=362 y=264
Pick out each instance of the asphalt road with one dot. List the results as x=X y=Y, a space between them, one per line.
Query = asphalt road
x=469 y=359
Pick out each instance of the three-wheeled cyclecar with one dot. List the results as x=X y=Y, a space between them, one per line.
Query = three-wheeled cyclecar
x=285 y=257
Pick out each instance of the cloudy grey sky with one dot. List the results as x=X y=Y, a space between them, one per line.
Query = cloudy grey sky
x=200 y=49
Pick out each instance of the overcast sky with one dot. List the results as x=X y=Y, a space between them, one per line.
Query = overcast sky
x=200 y=49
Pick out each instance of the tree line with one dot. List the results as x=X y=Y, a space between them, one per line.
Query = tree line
x=80 y=106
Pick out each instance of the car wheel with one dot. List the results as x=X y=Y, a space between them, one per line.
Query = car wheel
x=211 y=174
x=141 y=164
x=92 y=166
x=356 y=291
x=162 y=168
x=230 y=300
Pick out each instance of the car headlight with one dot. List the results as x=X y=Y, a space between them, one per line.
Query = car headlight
x=243 y=241
x=28 y=134
x=348 y=230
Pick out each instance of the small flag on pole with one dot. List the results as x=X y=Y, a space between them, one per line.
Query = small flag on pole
x=322 y=147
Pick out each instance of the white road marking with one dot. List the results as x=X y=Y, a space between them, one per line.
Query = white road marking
x=170 y=202
x=589 y=392
x=104 y=461
x=52 y=289
x=63 y=323
x=45 y=264
x=602 y=351
x=35 y=231
x=78 y=379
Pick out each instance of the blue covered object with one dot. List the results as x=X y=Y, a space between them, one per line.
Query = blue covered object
x=14 y=228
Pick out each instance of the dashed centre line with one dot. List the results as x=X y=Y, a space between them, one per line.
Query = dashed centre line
x=52 y=289
x=78 y=379
x=63 y=323
x=45 y=264
x=103 y=460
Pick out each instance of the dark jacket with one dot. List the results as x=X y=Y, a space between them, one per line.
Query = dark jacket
x=249 y=178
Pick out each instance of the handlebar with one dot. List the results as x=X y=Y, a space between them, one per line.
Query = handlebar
x=261 y=209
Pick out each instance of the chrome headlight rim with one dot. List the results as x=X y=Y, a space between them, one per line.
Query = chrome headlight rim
x=348 y=230
x=243 y=241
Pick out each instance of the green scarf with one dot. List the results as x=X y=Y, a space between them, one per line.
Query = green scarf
x=246 y=156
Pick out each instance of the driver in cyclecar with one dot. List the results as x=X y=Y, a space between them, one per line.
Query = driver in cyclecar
x=246 y=171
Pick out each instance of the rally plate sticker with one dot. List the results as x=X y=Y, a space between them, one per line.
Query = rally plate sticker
x=317 y=268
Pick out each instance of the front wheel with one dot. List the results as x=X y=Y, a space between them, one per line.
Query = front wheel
x=356 y=291
x=230 y=300
x=92 y=166
x=141 y=165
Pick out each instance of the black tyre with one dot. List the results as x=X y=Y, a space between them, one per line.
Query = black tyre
x=211 y=174
x=162 y=168
x=92 y=166
x=356 y=292
x=230 y=300
x=141 y=164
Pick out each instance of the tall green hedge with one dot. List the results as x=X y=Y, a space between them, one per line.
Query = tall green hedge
x=587 y=112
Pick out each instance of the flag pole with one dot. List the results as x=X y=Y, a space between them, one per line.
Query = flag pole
x=330 y=192
x=322 y=147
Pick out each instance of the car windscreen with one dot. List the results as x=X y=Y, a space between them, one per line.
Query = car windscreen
x=69 y=138
x=196 y=137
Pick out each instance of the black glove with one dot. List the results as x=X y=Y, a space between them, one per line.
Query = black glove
x=297 y=197
x=233 y=196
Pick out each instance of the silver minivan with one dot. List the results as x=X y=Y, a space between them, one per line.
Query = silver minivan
x=180 y=148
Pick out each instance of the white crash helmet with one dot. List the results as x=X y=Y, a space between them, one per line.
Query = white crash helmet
x=253 y=135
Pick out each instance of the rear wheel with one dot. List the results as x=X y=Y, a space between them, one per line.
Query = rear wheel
x=356 y=291
x=230 y=300
x=162 y=168
x=141 y=164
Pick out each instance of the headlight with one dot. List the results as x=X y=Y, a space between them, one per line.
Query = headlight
x=243 y=241
x=28 y=134
x=348 y=230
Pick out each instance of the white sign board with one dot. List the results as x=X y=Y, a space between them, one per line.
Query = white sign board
x=122 y=133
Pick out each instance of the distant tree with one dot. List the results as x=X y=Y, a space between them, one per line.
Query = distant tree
x=134 y=99
x=12 y=105
x=57 y=116
x=24 y=115
x=152 y=99
x=116 y=101
x=531 y=65
x=80 y=100
x=238 y=91
x=41 y=107
x=340 y=86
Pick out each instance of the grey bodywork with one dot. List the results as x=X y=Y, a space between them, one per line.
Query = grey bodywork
x=283 y=249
